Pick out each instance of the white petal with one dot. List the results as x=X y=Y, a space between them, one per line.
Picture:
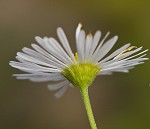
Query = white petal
x=121 y=57
x=54 y=52
x=80 y=45
x=105 y=73
x=96 y=39
x=32 y=59
x=99 y=46
x=128 y=53
x=41 y=42
x=46 y=79
x=124 y=63
x=105 y=48
x=88 y=44
x=61 y=92
x=78 y=31
x=41 y=57
x=20 y=59
x=41 y=77
x=58 y=85
x=109 y=72
x=60 y=49
x=124 y=69
x=32 y=67
x=121 y=66
x=46 y=45
x=115 y=53
x=65 y=43
x=28 y=70
x=42 y=51
x=37 y=74
x=137 y=55
x=52 y=47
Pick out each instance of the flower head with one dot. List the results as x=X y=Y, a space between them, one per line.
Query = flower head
x=54 y=61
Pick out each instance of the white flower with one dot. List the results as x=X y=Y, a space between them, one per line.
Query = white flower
x=51 y=60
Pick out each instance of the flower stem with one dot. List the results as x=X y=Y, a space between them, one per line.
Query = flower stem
x=85 y=97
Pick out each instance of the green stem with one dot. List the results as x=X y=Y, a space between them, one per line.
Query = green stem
x=85 y=97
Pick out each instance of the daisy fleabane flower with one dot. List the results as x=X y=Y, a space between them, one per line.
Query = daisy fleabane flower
x=54 y=61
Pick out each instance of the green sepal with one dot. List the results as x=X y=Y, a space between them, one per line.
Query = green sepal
x=81 y=75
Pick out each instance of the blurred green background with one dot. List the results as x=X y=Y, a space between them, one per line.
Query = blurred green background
x=120 y=101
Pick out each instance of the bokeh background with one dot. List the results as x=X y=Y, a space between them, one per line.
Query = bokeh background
x=120 y=101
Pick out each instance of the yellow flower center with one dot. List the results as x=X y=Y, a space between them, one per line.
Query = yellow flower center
x=76 y=57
